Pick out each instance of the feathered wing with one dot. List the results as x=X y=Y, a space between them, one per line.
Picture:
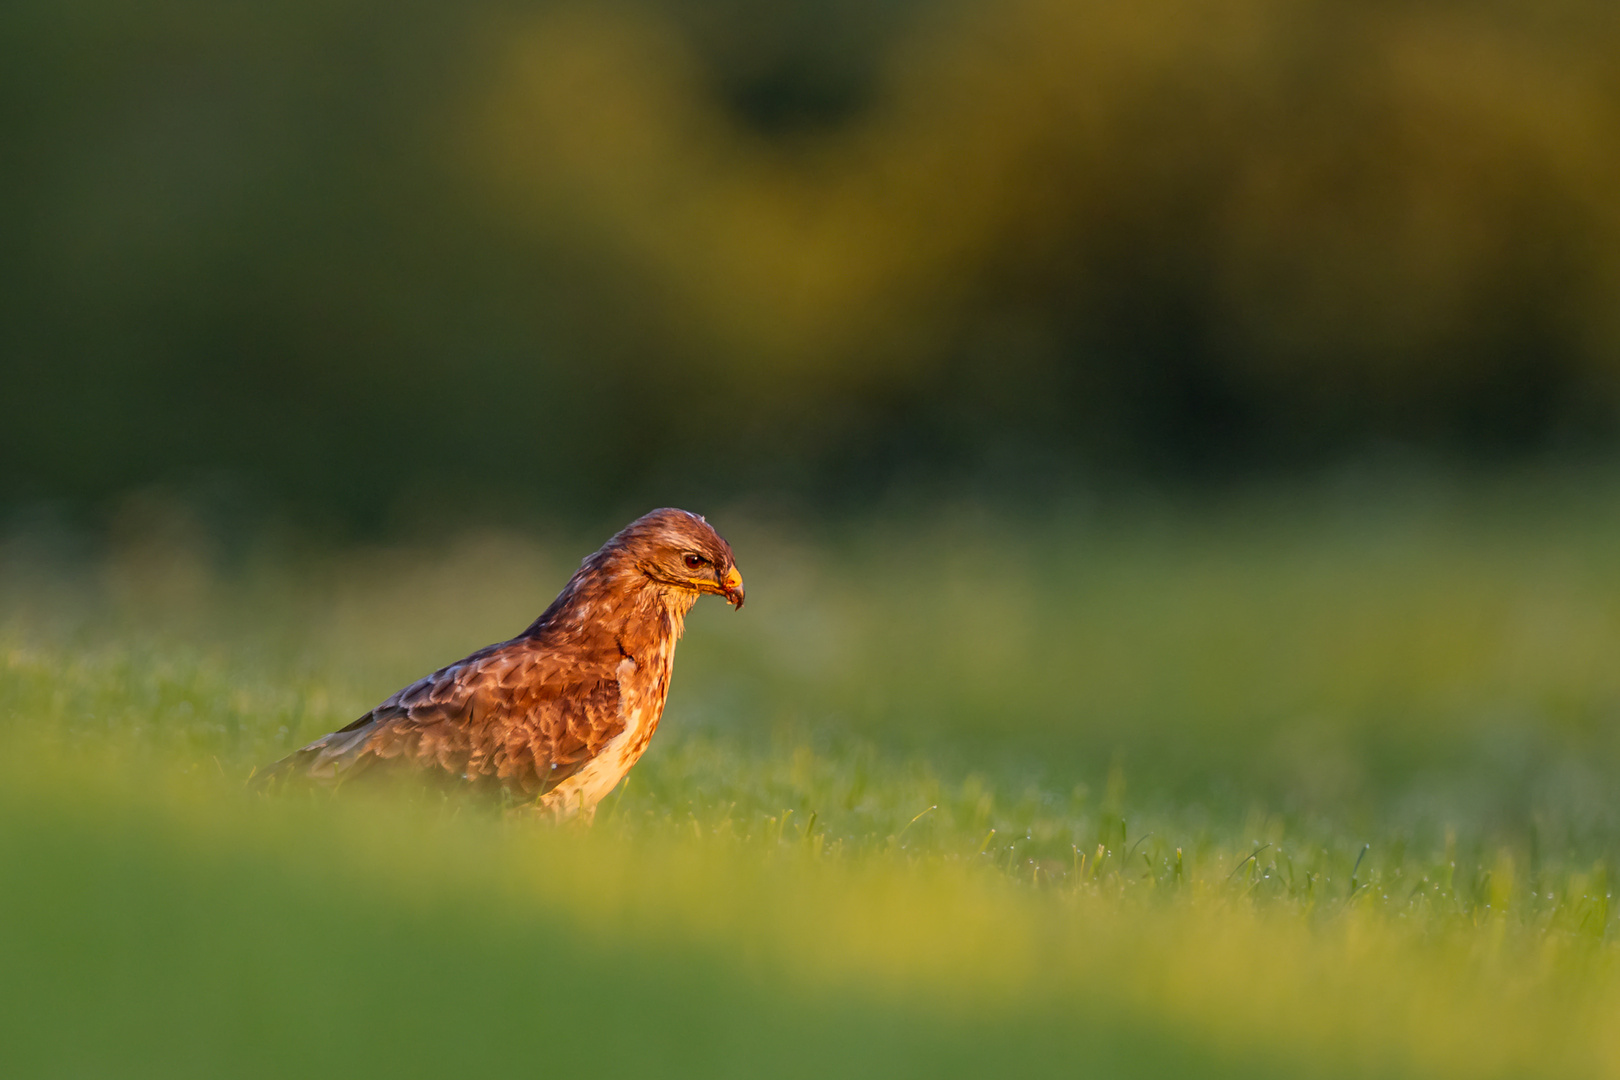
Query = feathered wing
x=520 y=713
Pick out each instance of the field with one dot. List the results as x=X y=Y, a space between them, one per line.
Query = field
x=1316 y=781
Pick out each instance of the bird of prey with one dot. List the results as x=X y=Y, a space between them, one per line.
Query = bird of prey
x=557 y=715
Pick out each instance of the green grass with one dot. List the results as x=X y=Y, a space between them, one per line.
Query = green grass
x=1315 y=782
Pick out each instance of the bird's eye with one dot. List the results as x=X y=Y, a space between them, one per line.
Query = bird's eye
x=695 y=561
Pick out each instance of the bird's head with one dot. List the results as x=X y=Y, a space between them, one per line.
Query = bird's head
x=680 y=549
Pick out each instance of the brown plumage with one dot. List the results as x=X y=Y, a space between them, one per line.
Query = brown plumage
x=558 y=714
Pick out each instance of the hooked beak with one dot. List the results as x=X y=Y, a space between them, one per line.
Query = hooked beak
x=731 y=587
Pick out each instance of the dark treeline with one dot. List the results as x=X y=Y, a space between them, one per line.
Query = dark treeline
x=356 y=255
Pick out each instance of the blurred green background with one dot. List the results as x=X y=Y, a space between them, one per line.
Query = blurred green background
x=343 y=257
x=1171 y=448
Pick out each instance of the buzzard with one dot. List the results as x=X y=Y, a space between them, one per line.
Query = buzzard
x=557 y=715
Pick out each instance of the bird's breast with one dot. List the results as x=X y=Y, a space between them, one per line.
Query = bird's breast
x=643 y=688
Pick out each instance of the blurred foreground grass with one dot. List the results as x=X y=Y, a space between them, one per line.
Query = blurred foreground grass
x=1297 y=783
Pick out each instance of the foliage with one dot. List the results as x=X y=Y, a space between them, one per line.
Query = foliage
x=347 y=253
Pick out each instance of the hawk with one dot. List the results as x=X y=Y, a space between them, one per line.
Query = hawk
x=557 y=715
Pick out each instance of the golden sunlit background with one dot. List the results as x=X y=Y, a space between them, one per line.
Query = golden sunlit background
x=1171 y=448
x=586 y=255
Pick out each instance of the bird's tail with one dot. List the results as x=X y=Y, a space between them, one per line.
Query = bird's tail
x=271 y=776
x=326 y=761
